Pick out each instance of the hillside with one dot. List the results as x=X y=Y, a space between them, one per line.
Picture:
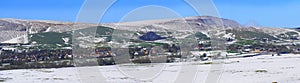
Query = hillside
x=12 y=28
x=179 y=28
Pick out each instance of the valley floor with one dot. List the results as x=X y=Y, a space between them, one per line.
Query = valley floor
x=259 y=69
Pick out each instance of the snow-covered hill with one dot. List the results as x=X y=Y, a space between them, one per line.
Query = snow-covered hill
x=14 y=28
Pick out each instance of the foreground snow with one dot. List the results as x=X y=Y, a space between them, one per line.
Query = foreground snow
x=260 y=69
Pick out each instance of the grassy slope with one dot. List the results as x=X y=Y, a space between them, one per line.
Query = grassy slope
x=250 y=34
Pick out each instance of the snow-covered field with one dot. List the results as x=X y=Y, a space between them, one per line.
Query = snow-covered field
x=259 y=69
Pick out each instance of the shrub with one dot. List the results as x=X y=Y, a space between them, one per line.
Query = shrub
x=261 y=71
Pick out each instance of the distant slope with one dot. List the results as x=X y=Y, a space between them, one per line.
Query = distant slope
x=50 y=37
x=244 y=34
x=183 y=24
x=58 y=38
x=12 y=28
x=182 y=27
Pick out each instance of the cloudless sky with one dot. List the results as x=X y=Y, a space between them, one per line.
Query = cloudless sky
x=273 y=13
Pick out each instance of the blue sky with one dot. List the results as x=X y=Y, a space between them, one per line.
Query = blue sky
x=274 y=13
